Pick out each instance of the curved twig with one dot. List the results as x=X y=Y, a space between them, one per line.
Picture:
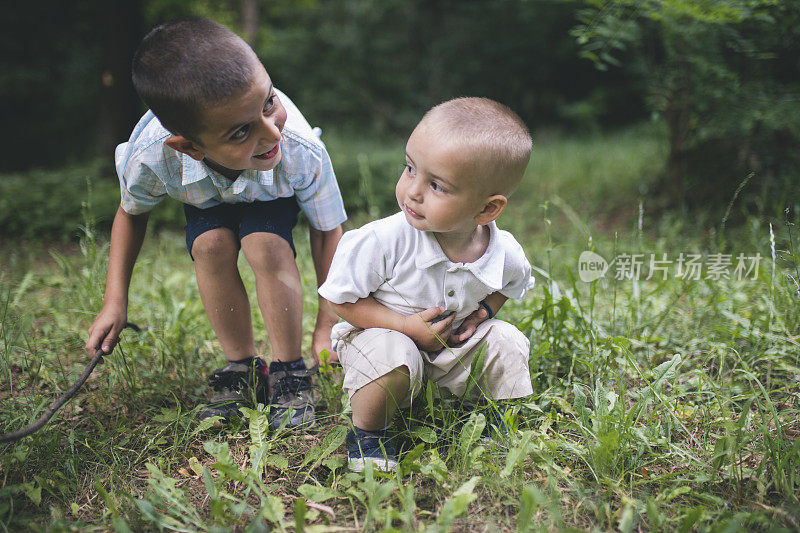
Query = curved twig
x=56 y=405
x=69 y=393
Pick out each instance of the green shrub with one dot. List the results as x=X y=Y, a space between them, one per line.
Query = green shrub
x=51 y=205
x=722 y=76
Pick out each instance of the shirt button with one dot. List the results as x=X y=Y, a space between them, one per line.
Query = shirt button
x=451 y=292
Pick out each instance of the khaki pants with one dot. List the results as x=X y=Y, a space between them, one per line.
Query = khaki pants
x=369 y=354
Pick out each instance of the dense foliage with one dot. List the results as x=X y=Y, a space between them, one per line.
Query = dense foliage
x=725 y=77
x=369 y=65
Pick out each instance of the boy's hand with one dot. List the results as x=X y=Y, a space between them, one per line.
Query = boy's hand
x=468 y=327
x=321 y=340
x=104 y=332
x=424 y=332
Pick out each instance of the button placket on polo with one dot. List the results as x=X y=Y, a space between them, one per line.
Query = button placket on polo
x=228 y=192
x=451 y=279
x=232 y=190
x=265 y=177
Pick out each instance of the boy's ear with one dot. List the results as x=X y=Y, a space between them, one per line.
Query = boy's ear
x=184 y=145
x=492 y=209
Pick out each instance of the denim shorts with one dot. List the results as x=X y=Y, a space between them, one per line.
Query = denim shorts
x=277 y=216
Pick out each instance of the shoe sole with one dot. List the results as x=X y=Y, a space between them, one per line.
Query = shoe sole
x=304 y=421
x=381 y=465
x=300 y=426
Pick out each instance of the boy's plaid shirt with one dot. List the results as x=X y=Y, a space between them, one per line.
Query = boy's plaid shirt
x=149 y=171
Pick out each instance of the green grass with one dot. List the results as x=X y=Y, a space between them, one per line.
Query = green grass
x=666 y=405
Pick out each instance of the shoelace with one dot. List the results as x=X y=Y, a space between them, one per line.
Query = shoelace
x=223 y=381
x=367 y=441
x=286 y=382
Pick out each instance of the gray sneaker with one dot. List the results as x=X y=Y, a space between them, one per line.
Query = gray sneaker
x=291 y=398
x=234 y=386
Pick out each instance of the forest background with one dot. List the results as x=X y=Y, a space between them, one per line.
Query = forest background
x=719 y=78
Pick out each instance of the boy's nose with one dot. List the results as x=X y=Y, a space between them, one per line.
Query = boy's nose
x=270 y=131
x=415 y=189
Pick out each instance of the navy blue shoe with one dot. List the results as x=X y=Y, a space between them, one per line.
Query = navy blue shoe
x=496 y=427
x=367 y=446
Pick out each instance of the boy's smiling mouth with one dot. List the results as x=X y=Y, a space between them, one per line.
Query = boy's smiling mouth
x=411 y=211
x=269 y=155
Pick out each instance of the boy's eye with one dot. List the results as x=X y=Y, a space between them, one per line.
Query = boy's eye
x=436 y=187
x=240 y=133
x=269 y=104
x=411 y=170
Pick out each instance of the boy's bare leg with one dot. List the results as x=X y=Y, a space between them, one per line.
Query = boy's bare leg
x=279 y=291
x=374 y=404
x=215 y=254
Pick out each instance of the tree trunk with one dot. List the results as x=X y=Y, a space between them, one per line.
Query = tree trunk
x=677 y=115
x=119 y=105
x=249 y=20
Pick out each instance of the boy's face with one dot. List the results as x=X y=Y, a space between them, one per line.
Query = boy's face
x=244 y=132
x=439 y=189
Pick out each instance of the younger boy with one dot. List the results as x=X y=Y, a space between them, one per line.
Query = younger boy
x=243 y=160
x=419 y=289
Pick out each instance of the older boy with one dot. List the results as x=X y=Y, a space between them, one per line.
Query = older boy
x=404 y=282
x=243 y=160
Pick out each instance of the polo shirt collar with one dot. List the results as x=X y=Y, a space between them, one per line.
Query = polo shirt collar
x=488 y=268
x=194 y=171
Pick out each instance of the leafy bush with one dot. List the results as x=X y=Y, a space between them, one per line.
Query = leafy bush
x=723 y=77
x=51 y=205
x=367 y=170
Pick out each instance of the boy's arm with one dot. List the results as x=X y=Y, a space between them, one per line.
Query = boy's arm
x=368 y=313
x=323 y=246
x=495 y=301
x=467 y=328
x=127 y=235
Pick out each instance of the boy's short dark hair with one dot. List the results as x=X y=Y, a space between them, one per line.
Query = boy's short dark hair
x=186 y=64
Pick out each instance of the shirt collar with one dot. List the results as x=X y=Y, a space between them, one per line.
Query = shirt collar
x=488 y=268
x=191 y=170
x=194 y=171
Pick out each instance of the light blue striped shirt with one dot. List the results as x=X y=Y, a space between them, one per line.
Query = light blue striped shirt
x=149 y=171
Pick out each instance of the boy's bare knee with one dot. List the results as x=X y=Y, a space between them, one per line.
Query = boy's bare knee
x=267 y=252
x=215 y=245
x=395 y=382
x=400 y=373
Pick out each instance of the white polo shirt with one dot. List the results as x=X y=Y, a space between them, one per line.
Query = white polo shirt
x=406 y=270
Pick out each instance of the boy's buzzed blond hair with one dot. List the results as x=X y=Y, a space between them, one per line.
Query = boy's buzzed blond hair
x=489 y=132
